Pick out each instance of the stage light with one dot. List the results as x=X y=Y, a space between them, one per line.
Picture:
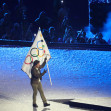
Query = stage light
x=35 y=35
x=62 y=1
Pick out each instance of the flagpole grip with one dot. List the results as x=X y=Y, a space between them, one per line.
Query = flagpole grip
x=49 y=73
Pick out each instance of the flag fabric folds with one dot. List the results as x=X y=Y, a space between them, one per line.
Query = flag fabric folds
x=38 y=51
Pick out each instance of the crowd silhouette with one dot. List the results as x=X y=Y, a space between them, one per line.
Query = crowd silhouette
x=16 y=26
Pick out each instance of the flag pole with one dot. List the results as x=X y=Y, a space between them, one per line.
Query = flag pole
x=49 y=73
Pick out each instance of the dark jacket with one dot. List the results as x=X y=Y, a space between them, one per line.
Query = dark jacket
x=36 y=74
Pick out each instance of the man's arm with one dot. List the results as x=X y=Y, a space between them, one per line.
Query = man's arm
x=43 y=74
x=43 y=64
x=36 y=75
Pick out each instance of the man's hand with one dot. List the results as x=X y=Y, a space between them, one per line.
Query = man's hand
x=45 y=59
x=44 y=71
x=40 y=78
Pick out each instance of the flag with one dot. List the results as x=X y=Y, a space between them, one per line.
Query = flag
x=38 y=51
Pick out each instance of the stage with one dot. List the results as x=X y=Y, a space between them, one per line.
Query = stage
x=81 y=81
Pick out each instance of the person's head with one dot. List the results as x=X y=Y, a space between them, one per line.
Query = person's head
x=36 y=64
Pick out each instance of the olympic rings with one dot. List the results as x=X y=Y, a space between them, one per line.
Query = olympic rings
x=43 y=45
x=37 y=54
x=31 y=59
x=34 y=55
x=38 y=43
x=40 y=48
x=41 y=35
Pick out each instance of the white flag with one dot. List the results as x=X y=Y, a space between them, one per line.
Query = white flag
x=38 y=51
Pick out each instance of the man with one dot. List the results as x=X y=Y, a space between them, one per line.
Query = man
x=36 y=83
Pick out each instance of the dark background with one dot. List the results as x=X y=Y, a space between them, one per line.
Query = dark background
x=99 y=14
x=26 y=16
x=77 y=10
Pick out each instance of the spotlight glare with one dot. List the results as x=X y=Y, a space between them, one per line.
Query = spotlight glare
x=62 y=1
x=35 y=35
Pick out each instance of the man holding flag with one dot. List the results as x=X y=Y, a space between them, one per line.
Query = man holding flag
x=36 y=83
x=36 y=59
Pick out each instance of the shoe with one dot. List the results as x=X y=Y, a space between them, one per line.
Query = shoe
x=35 y=105
x=46 y=104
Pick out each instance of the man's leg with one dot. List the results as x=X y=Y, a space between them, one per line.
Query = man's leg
x=41 y=92
x=34 y=87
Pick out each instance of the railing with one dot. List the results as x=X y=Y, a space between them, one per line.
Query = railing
x=56 y=45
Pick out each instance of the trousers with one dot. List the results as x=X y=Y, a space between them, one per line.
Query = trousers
x=38 y=87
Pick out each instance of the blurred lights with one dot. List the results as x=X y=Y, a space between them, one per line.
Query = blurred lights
x=62 y=1
x=35 y=35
